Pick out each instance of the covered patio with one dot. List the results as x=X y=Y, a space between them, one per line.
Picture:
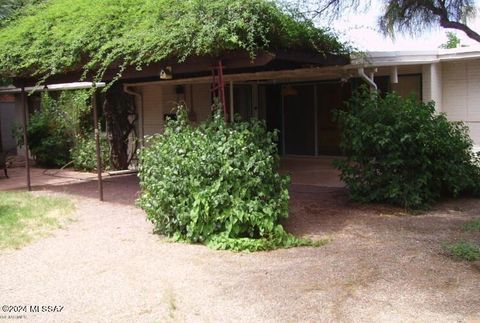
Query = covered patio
x=307 y=173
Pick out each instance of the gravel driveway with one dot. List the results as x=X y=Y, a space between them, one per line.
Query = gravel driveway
x=381 y=266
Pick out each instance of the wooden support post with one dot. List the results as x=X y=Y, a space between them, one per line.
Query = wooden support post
x=25 y=136
x=97 y=146
x=232 y=112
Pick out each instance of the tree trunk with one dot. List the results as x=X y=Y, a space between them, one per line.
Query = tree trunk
x=118 y=109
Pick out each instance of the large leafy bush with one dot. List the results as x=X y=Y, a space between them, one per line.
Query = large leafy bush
x=84 y=154
x=399 y=151
x=58 y=131
x=49 y=134
x=216 y=184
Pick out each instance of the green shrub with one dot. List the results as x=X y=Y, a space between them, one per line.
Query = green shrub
x=399 y=151
x=216 y=184
x=52 y=129
x=464 y=251
x=49 y=136
x=84 y=153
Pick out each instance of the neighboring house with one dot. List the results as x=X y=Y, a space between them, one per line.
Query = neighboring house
x=298 y=100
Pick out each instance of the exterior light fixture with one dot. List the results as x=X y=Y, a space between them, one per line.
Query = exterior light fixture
x=166 y=73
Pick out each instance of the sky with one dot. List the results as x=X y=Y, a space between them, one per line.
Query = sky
x=361 y=29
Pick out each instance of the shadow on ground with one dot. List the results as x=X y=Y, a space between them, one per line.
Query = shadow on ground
x=117 y=190
x=382 y=265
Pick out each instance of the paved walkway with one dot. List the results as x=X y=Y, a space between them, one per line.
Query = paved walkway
x=312 y=171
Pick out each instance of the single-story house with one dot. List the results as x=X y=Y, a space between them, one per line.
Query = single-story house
x=264 y=62
x=298 y=100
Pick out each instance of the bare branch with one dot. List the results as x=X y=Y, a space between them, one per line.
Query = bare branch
x=416 y=15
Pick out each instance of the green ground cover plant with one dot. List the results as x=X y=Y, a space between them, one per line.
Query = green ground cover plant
x=463 y=251
x=25 y=217
x=400 y=151
x=472 y=226
x=216 y=184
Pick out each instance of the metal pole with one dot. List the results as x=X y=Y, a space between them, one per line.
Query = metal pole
x=25 y=137
x=231 y=102
x=315 y=118
x=97 y=146
x=284 y=153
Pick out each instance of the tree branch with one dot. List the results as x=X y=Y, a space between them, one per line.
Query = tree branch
x=445 y=23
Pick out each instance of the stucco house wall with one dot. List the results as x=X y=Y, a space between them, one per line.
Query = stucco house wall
x=461 y=94
x=450 y=78
x=159 y=100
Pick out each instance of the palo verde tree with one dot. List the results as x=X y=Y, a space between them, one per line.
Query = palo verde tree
x=411 y=16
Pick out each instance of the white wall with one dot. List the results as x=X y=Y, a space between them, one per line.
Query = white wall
x=159 y=100
x=155 y=105
x=432 y=78
x=201 y=102
x=461 y=94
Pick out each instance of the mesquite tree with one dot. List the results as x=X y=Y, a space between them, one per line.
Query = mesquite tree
x=120 y=118
x=411 y=16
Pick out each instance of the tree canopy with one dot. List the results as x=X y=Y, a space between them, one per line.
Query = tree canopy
x=452 y=41
x=10 y=7
x=402 y=15
x=55 y=36
x=414 y=16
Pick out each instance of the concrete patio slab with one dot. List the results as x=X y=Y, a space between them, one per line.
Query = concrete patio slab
x=42 y=177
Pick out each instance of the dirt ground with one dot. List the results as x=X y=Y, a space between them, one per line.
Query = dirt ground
x=381 y=266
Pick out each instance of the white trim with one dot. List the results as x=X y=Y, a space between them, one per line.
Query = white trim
x=397 y=58
x=53 y=87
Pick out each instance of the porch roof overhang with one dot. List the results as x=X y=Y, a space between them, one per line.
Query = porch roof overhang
x=234 y=63
x=399 y=58
x=52 y=87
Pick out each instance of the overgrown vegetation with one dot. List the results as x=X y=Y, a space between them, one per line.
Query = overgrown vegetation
x=60 y=35
x=399 y=151
x=463 y=251
x=120 y=116
x=61 y=131
x=51 y=129
x=216 y=184
x=84 y=155
x=25 y=217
